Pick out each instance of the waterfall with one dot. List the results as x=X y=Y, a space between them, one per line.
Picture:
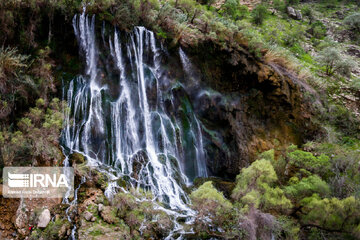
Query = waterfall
x=119 y=114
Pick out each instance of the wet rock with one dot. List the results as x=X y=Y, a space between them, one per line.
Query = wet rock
x=77 y=158
x=255 y=107
x=44 y=218
x=298 y=15
x=140 y=159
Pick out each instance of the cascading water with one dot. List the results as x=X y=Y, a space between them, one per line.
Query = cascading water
x=119 y=114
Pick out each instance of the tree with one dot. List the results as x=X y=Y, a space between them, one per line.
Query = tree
x=254 y=188
x=259 y=14
x=210 y=203
x=331 y=59
x=333 y=214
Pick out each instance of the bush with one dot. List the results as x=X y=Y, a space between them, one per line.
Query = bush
x=234 y=10
x=334 y=214
x=37 y=138
x=306 y=187
x=259 y=14
x=318 y=30
x=331 y=59
x=308 y=12
x=353 y=22
x=253 y=188
x=307 y=161
x=293 y=36
x=209 y=203
x=279 y=5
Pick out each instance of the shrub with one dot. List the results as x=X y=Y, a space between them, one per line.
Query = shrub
x=37 y=138
x=259 y=14
x=318 y=30
x=253 y=188
x=353 y=22
x=330 y=3
x=306 y=160
x=331 y=214
x=288 y=228
x=209 y=203
x=331 y=59
x=293 y=36
x=308 y=12
x=279 y=5
x=307 y=187
x=234 y=9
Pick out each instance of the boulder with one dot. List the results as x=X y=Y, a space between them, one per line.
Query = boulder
x=295 y=14
x=100 y=207
x=291 y=12
x=89 y=216
x=44 y=218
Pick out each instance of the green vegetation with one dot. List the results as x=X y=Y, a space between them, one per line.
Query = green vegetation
x=35 y=140
x=259 y=14
x=311 y=190
x=331 y=59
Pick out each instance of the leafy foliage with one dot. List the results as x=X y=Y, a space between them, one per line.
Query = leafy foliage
x=234 y=9
x=307 y=187
x=36 y=140
x=306 y=160
x=253 y=187
x=259 y=14
x=334 y=214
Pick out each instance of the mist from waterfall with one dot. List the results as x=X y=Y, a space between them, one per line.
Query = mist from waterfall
x=120 y=114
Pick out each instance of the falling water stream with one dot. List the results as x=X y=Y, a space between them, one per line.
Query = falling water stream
x=119 y=115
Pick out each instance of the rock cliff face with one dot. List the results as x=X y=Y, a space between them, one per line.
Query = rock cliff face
x=256 y=107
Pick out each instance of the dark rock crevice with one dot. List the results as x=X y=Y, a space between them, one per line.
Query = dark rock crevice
x=257 y=107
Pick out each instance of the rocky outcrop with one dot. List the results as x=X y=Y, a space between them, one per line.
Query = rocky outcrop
x=256 y=107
